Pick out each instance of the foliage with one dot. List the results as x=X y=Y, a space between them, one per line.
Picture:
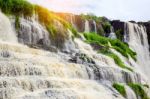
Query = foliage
x=93 y=38
x=17 y=23
x=117 y=60
x=91 y=16
x=48 y=17
x=17 y=7
x=119 y=34
x=106 y=26
x=139 y=91
x=120 y=88
x=116 y=44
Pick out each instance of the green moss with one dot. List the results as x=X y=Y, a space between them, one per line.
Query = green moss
x=139 y=91
x=116 y=44
x=117 y=60
x=120 y=88
x=93 y=38
x=123 y=48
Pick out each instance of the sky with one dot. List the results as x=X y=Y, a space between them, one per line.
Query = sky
x=138 y=10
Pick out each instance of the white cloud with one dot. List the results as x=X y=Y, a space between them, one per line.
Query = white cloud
x=115 y=9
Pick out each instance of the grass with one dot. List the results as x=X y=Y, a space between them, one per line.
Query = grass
x=116 y=44
x=139 y=91
x=120 y=88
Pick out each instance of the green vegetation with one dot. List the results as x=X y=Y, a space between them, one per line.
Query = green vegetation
x=16 y=7
x=117 y=60
x=91 y=16
x=93 y=38
x=48 y=18
x=116 y=44
x=22 y=8
x=17 y=23
x=51 y=21
x=119 y=34
x=120 y=88
x=106 y=26
x=139 y=91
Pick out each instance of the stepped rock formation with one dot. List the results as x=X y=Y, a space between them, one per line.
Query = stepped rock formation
x=31 y=68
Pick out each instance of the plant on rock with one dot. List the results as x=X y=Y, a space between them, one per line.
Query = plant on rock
x=120 y=88
x=139 y=91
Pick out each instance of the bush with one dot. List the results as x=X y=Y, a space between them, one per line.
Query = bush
x=139 y=91
x=119 y=34
x=17 y=7
x=120 y=88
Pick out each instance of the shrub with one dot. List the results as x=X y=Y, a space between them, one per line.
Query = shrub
x=139 y=91
x=17 y=7
x=120 y=88
x=119 y=34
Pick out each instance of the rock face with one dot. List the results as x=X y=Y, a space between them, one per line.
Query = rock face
x=118 y=26
x=32 y=33
x=75 y=20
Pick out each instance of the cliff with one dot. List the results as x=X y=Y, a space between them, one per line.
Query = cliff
x=48 y=55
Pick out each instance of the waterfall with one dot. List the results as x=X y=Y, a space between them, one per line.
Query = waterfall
x=112 y=34
x=95 y=26
x=130 y=93
x=6 y=31
x=138 y=41
x=87 y=26
x=28 y=73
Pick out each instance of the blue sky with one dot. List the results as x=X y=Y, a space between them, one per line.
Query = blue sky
x=114 y=9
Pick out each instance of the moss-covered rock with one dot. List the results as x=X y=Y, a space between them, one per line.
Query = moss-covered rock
x=120 y=88
x=139 y=91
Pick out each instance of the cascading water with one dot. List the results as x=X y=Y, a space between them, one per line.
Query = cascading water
x=87 y=26
x=130 y=93
x=6 y=30
x=95 y=27
x=138 y=41
x=112 y=34
x=27 y=73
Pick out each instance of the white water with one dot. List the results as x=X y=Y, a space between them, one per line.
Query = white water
x=6 y=31
x=95 y=27
x=130 y=93
x=112 y=34
x=138 y=41
x=27 y=73
x=87 y=27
